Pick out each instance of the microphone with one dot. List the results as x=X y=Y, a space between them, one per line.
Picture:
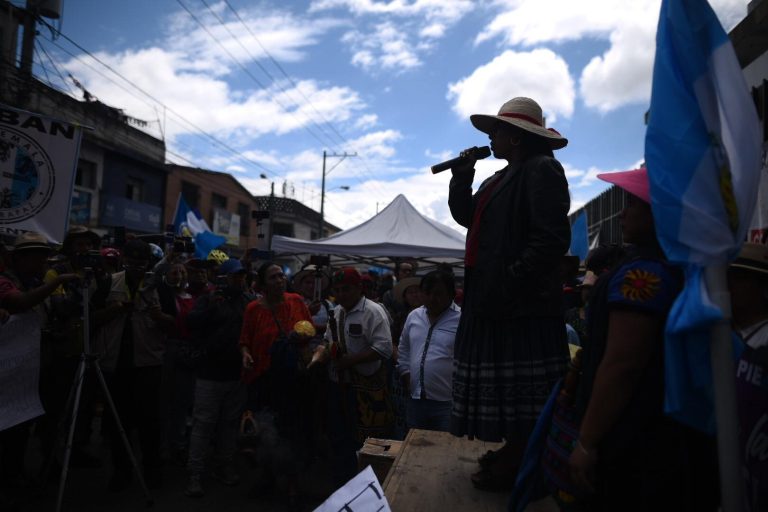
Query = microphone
x=478 y=153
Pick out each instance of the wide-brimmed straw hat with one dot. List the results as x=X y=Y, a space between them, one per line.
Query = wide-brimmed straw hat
x=31 y=241
x=524 y=113
x=753 y=257
x=312 y=270
x=635 y=182
x=399 y=291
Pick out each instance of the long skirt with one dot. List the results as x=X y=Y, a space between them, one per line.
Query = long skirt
x=504 y=370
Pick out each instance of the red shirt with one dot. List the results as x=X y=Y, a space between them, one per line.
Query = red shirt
x=260 y=329
x=473 y=235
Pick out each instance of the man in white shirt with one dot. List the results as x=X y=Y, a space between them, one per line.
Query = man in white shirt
x=358 y=403
x=425 y=358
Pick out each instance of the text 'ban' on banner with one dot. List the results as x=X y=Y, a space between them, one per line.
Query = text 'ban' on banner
x=38 y=161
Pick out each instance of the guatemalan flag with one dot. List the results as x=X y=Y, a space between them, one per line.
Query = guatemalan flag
x=189 y=222
x=703 y=153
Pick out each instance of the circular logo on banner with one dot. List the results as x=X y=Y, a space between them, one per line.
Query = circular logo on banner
x=26 y=176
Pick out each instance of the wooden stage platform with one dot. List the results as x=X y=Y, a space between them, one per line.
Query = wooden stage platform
x=432 y=473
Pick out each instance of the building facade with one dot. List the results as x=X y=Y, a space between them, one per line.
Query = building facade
x=224 y=203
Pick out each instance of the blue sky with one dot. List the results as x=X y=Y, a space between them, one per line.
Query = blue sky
x=392 y=80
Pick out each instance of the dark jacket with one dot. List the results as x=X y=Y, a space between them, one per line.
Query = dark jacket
x=215 y=323
x=524 y=232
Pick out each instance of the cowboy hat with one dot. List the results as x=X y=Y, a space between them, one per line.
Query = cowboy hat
x=635 y=182
x=524 y=113
x=753 y=257
x=311 y=270
x=29 y=241
x=399 y=291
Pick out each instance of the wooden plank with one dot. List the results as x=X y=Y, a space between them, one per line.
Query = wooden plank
x=432 y=472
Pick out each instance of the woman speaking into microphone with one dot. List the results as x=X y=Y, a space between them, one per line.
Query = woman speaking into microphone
x=511 y=345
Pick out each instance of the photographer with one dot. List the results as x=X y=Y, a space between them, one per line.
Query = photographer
x=63 y=341
x=219 y=393
x=132 y=343
x=22 y=293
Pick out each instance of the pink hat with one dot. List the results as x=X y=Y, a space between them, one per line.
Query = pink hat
x=635 y=182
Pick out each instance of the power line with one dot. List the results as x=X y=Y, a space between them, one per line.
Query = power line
x=266 y=72
x=64 y=82
x=280 y=68
x=221 y=21
x=200 y=131
x=246 y=70
x=169 y=109
x=295 y=86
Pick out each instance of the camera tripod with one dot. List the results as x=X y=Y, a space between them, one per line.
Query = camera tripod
x=88 y=359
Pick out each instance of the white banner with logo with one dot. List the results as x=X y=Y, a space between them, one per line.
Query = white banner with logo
x=38 y=162
x=227 y=224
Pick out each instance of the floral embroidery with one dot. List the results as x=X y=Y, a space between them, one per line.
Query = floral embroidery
x=640 y=285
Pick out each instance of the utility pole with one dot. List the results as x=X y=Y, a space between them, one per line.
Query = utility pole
x=271 y=215
x=322 y=188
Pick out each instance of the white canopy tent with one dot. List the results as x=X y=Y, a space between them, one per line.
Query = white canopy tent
x=398 y=231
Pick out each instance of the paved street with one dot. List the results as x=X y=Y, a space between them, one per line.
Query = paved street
x=87 y=490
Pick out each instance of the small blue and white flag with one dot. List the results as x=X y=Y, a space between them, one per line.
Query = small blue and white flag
x=580 y=237
x=189 y=222
x=703 y=153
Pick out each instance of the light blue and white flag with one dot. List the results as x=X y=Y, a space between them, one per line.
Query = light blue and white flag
x=580 y=237
x=189 y=222
x=703 y=150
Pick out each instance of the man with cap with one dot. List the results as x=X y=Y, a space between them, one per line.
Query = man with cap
x=131 y=343
x=356 y=368
x=748 y=285
x=220 y=395
x=22 y=293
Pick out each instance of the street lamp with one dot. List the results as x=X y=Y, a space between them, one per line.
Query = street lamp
x=322 y=188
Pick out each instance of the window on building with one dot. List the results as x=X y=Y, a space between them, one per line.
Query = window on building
x=244 y=211
x=283 y=229
x=83 y=193
x=191 y=194
x=86 y=174
x=134 y=189
x=218 y=202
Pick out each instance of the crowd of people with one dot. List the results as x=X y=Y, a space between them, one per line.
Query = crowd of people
x=194 y=351
x=205 y=358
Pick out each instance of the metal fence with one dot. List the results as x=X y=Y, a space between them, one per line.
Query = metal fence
x=603 y=225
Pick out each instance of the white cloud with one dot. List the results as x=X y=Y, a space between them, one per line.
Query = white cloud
x=187 y=71
x=366 y=121
x=439 y=156
x=622 y=74
x=444 y=10
x=540 y=74
x=377 y=144
x=283 y=35
x=394 y=35
x=385 y=48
